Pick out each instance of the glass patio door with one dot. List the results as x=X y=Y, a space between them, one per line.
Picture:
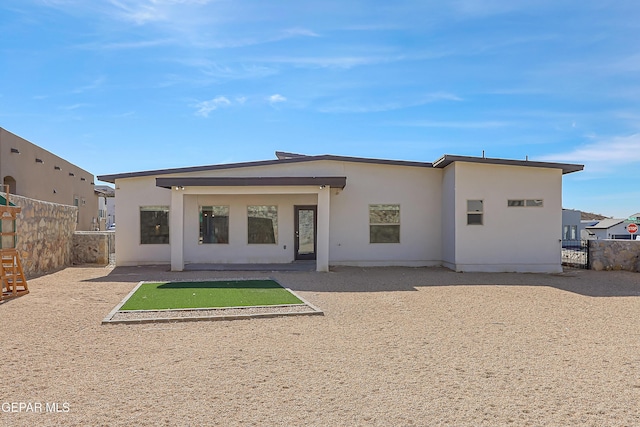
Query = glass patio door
x=305 y=232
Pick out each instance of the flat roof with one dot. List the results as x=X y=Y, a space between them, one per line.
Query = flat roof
x=285 y=158
x=447 y=159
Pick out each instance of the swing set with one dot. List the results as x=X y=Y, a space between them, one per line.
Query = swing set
x=12 y=277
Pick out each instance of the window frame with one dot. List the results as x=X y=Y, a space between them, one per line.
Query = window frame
x=373 y=225
x=200 y=224
x=154 y=208
x=475 y=212
x=525 y=203
x=274 y=224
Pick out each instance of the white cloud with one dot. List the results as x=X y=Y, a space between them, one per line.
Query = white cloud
x=73 y=107
x=93 y=85
x=611 y=151
x=456 y=124
x=142 y=12
x=205 y=107
x=276 y=98
x=374 y=106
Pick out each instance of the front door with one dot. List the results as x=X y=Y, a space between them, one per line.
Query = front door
x=305 y=232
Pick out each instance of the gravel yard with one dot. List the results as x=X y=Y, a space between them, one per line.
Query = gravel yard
x=395 y=347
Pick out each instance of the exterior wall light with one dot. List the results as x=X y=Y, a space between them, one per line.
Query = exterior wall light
x=39 y=160
x=15 y=151
x=72 y=174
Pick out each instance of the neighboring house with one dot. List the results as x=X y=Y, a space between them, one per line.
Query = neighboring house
x=570 y=224
x=106 y=206
x=466 y=213
x=612 y=228
x=34 y=172
x=609 y=228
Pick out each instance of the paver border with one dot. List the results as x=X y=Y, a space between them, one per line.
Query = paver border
x=313 y=310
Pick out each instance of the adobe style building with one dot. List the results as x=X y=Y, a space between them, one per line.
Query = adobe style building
x=465 y=213
x=32 y=171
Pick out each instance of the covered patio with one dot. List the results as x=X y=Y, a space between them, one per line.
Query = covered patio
x=185 y=191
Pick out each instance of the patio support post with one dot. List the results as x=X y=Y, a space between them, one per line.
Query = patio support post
x=322 y=246
x=176 y=228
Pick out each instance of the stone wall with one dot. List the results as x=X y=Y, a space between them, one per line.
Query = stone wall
x=614 y=255
x=93 y=247
x=44 y=235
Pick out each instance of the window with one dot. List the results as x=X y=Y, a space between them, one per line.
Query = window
x=154 y=225
x=529 y=203
x=570 y=232
x=214 y=224
x=475 y=212
x=262 y=224
x=384 y=223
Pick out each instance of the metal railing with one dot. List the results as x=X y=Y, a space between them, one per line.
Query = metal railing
x=575 y=253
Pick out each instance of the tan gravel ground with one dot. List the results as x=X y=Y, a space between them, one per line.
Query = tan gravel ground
x=396 y=347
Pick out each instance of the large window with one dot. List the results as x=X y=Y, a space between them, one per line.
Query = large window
x=475 y=212
x=154 y=225
x=262 y=224
x=384 y=223
x=214 y=224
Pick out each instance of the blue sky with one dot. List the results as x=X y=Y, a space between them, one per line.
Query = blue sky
x=122 y=85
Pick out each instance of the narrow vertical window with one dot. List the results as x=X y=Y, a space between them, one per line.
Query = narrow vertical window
x=262 y=224
x=475 y=212
x=214 y=224
x=384 y=223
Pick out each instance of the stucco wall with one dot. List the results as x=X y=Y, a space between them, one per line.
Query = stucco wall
x=614 y=255
x=449 y=217
x=53 y=179
x=45 y=232
x=524 y=239
x=416 y=189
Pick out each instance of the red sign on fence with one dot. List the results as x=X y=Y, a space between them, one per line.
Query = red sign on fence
x=632 y=228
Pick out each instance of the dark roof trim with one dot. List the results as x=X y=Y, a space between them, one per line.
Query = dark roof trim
x=331 y=181
x=447 y=159
x=112 y=178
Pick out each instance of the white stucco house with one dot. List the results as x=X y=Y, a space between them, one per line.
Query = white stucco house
x=465 y=213
x=571 y=224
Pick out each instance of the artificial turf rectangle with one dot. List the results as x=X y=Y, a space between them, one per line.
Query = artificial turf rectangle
x=208 y=294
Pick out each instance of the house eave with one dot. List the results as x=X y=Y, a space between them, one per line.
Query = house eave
x=448 y=159
x=330 y=181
